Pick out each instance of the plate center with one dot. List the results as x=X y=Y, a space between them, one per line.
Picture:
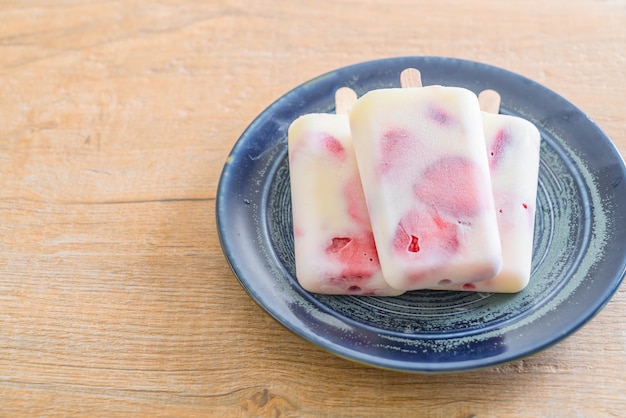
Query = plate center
x=561 y=235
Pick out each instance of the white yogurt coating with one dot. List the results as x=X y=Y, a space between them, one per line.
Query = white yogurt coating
x=334 y=246
x=513 y=153
x=425 y=174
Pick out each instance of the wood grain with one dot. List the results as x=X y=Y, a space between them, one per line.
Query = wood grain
x=116 y=118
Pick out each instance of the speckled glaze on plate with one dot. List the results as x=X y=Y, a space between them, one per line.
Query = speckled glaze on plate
x=579 y=257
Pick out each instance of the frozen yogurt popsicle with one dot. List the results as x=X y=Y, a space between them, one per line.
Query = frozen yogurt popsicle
x=424 y=169
x=334 y=246
x=513 y=154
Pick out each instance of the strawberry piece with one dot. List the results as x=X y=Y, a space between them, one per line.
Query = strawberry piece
x=449 y=186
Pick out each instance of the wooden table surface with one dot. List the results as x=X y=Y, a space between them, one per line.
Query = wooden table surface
x=116 y=118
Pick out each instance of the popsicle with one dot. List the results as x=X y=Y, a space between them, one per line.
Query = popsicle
x=333 y=242
x=425 y=175
x=513 y=153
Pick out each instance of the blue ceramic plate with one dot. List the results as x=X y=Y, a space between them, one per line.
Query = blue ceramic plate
x=579 y=250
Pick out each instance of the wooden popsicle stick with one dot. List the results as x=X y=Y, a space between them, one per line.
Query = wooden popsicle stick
x=410 y=77
x=489 y=101
x=344 y=99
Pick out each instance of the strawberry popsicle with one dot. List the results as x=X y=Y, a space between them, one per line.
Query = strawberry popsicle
x=424 y=169
x=334 y=246
x=513 y=154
